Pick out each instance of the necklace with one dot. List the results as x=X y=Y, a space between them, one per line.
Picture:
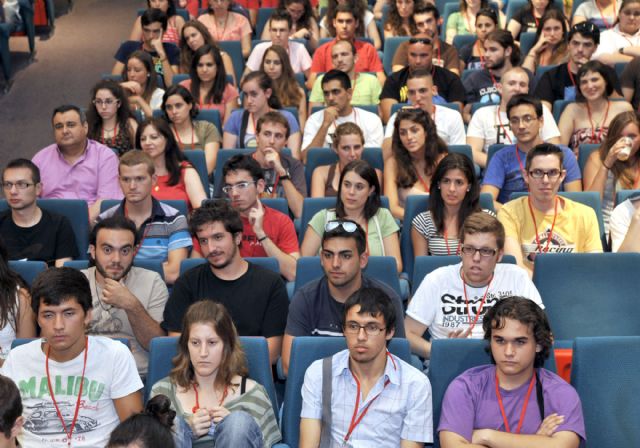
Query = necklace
x=593 y=125
x=114 y=130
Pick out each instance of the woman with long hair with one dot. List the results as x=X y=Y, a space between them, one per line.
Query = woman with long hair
x=180 y=109
x=472 y=54
x=215 y=402
x=139 y=81
x=616 y=165
x=224 y=24
x=194 y=35
x=348 y=144
x=304 y=26
x=358 y=199
x=277 y=66
x=109 y=118
x=16 y=316
x=587 y=120
x=177 y=179
x=259 y=98
x=150 y=428
x=527 y=18
x=208 y=82
x=366 y=24
x=463 y=21
x=551 y=42
x=400 y=19
x=455 y=195
x=416 y=150
x=175 y=22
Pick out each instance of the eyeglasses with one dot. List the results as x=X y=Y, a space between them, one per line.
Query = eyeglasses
x=347 y=226
x=420 y=40
x=485 y=252
x=20 y=185
x=371 y=328
x=527 y=120
x=107 y=102
x=551 y=174
x=240 y=186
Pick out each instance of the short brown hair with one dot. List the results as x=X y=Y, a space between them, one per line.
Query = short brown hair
x=482 y=222
x=273 y=117
x=133 y=158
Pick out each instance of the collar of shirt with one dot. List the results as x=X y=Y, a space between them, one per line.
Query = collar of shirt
x=341 y=367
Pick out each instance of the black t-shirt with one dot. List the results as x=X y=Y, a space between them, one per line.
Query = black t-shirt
x=555 y=82
x=481 y=88
x=49 y=240
x=471 y=62
x=257 y=301
x=128 y=47
x=630 y=79
x=448 y=84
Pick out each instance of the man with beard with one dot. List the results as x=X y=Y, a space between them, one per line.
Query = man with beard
x=481 y=86
x=127 y=301
x=265 y=232
x=255 y=297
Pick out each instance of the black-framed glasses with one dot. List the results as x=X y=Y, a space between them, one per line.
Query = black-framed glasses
x=347 y=226
x=539 y=174
x=484 y=251
x=20 y=185
x=240 y=186
x=527 y=120
x=372 y=329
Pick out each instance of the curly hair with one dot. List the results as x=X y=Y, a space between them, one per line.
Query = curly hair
x=285 y=87
x=623 y=172
x=394 y=21
x=123 y=113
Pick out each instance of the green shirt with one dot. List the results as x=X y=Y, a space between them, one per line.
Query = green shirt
x=366 y=91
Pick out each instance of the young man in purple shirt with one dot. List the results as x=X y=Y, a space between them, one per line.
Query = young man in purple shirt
x=499 y=405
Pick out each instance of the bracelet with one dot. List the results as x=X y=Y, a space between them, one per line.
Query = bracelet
x=607 y=167
x=260 y=240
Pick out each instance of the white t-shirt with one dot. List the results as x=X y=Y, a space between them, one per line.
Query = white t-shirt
x=449 y=126
x=619 y=223
x=485 y=124
x=110 y=373
x=8 y=333
x=613 y=39
x=439 y=302
x=370 y=124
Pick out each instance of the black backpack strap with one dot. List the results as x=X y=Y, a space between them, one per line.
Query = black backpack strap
x=325 y=435
x=243 y=385
x=539 y=395
x=243 y=128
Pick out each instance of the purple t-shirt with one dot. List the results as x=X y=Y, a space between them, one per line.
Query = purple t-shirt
x=470 y=403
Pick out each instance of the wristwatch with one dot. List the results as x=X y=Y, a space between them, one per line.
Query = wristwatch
x=286 y=176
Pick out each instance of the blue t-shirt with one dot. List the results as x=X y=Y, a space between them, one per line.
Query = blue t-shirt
x=504 y=171
x=234 y=123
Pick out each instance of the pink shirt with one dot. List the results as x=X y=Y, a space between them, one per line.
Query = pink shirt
x=298 y=55
x=93 y=176
x=237 y=26
x=230 y=94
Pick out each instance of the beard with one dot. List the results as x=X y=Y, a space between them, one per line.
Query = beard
x=100 y=268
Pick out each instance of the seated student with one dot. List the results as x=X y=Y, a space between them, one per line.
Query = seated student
x=175 y=22
x=149 y=429
x=399 y=21
x=396 y=396
x=365 y=27
x=447 y=85
x=505 y=173
x=255 y=297
x=345 y=23
x=11 y=420
x=625 y=226
x=601 y=13
x=280 y=24
x=109 y=385
x=449 y=124
x=225 y=24
x=550 y=47
x=630 y=80
x=463 y=21
x=621 y=43
x=240 y=131
x=519 y=341
x=358 y=200
x=303 y=22
x=426 y=18
x=588 y=119
x=451 y=301
x=16 y=316
x=208 y=82
x=265 y=232
x=30 y=232
x=527 y=18
x=165 y=55
x=127 y=301
x=161 y=230
x=490 y=125
x=472 y=54
x=215 y=401
x=75 y=167
x=336 y=87
x=316 y=306
x=140 y=83
x=365 y=87
x=348 y=144
x=544 y=222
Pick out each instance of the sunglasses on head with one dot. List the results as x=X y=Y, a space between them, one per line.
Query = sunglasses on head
x=347 y=226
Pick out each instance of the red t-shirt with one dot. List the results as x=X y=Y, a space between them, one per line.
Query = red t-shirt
x=277 y=226
x=368 y=59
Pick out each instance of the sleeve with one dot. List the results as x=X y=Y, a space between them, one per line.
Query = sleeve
x=400 y=58
x=316 y=95
x=388 y=131
x=607 y=45
x=388 y=225
x=423 y=306
x=582 y=10
x=451 y=58
x=179 y=236
x=510 y=222
x=390 y=89
x=317 y=222
x=108 y=185
x=549 y=128
x=417 y=424
x=318 y=64
x=298 y=178
x=496 y=173
x=305 y=59
x=179 y=300
x=312 y=392
x=519 y=14
x=65 y=240
x=571 y=165
x=563 y=399
x=619 y=225
x=158 y=297
x=421 y=224
x=456 y=126
x=255 y=58
x=544 y=89
x=475 y=128
x=233 y=123
x=123 y=52
x=211 y=134
x=287 y=238
x=376 y=90
x=156 y=99
x=452 y=22
x=311 y=128
x=299 y=321
x=591 y=232
x=374 y=62
x=458 y=410
x=374 y=131
x=125 y=377
x=245 y=26
x=173 y=53
x=275 y=317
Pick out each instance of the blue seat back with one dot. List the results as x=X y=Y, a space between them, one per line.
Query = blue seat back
x=391 y=45
x=589 y=294
x=492 y=150
x=28 y=270
x=263 y=17
x=234 y=49
x=527 y=40
x=178 y=204
x=603 y=372
x=279 y=204
x=462 y=149
x=197 y=159
x=584 y=152
x=304 y=351
x=623 y=195
x=462 y=40
x=514 y=6
x=151 y=265
x=265 y=262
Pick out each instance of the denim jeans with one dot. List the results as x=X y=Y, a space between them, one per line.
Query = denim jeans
x=238 y=429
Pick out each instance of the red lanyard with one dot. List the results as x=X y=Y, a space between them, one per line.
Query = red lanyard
x=520 y=162
x=593 y=128
x=440 y=61
x=606 y=24
x=355 y=418
x=197 y=406
x=535 y=225
x=524 y=406
x=466 y=302
x=573 y=80
x=506 y=134
x=69 y=432
x=175 y=131
x=424 y=183
x=115 y=133
x=446 y=242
